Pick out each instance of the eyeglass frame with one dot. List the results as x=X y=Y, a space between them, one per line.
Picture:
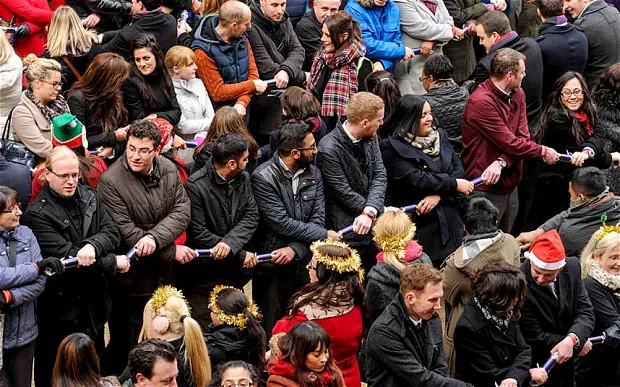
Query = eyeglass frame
x=422 y=79
x=236 y=384
x=140 y=151
x=575 y=92
x=66 y=176
x=312 y=148
x=11 y=210
x=53 y=84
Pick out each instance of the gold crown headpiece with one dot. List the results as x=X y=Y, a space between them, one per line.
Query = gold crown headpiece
x=239 y=320
x=162 y=294
x=395 y=244
x=605 y=229
x=350 y=264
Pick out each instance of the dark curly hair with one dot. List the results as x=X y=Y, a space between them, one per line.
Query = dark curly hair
x=608 y=86
x=500 y=287
x=144 y=129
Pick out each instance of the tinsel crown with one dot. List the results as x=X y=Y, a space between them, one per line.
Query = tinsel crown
x=239 y=320
x=350 y=264
x=395 y=244
x=162 y=294
x=605 y=229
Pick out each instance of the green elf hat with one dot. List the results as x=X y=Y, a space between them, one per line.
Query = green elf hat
x=68 y=131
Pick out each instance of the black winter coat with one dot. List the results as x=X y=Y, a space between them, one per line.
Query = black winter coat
x=394 y=359
x=564 y=48
x=412 y=175
x=137 y=107
x=547 y=320
x=309 y=33
x=162 y=25
x=351 y=184
x=287 y=218
x=447 y=104
x=532 y=83
x=221 y=211
x=608 y=115
x=601 y=367
x=485 y=355
x=108 y=11
x=79 y=297
x=226 y=343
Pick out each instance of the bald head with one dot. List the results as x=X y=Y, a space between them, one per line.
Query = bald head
x=234 y=11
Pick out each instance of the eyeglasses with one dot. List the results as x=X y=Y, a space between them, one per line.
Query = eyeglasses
x=143 y=152
x=240 y=383
x=13 y=209
x=313 y=147
x=422 y=79
x=566 y=93
x=66 y=176
x=54 y=84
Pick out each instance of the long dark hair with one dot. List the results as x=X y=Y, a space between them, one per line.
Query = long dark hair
x=405 y=117
x=302 y=340
x=101 y=86
x=381 y=84
x=148 y=41
x=339 y=23
x=77 y=363
x=556 y=108
x=326 y=290
x=500 y=287
x=233 y=301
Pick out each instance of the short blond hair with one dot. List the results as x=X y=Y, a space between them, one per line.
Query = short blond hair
x=179 y=56
x=363 y=106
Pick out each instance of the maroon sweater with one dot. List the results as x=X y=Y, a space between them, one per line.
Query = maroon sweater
x=495 y=126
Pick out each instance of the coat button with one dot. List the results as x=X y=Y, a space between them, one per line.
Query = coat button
x=42 y=200
x=66 y=221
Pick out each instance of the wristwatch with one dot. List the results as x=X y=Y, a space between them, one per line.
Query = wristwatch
x=502 y=163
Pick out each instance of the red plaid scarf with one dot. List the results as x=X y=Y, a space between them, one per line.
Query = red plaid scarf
x=342 y=83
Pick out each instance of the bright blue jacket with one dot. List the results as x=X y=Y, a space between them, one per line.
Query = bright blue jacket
x=380 y=30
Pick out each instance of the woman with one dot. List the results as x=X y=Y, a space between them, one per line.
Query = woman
x=600 y=263
x=196 y=109
x=31 y=18
x=423 y=169
x=333 y=76
x=20 y=285
x=69 y=43
x=306 y=360
x=235 y=373
x=149 y=92
x=226 y=120
x=31 y=120
x=10 y=78
x=424 y=24
x=166 y=316
x=235 y=333
x=77 y=364
x=606 y=96
x=491 y=317
x=97 y=102
x=381 y=84
x=569 y=124
x=333 y=299
x=393 y=234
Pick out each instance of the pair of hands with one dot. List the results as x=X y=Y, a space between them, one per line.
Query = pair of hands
x=564 y=349
x=493 y=172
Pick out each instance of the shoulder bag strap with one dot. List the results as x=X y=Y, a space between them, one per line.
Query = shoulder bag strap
x=7 y=125
x=12 y=252
x=72 y=67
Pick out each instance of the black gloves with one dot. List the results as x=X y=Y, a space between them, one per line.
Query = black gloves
x=54 y=265
x=22 y=30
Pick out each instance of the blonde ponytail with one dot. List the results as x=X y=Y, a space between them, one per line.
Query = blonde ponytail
x=196 y=355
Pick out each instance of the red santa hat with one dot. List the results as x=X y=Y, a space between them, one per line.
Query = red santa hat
x=547 y=252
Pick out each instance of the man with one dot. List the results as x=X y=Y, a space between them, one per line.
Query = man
x=355 y=178
x=153 y=363
x=224 y=57
x=224 y=217
x=563 y=46
x=289 y=193
x=144 y=195
x=279 y=56
x=601 y=24
x=495 y=135
x=147 y=19
x=308 y=29
x=69 y=219
x=405 y=345
x=484 y=244
x=590 y=200
x=379 y=22
x=101 y=15
x=493 y=29
x=557 y=316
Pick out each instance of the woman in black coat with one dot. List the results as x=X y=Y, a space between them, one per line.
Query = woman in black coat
x=568 y=124
x=490 y=350
x=423 y=169
x=149 y=92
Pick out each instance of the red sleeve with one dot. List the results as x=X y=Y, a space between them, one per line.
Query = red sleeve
x=26 y=11
x=285 y=324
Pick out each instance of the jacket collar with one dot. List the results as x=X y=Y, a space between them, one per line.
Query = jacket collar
x=555 y=25
x=209 y=169
x=407 y=151
x=478 y=322
x=504 y=41
x=561 y=282
x=262 y=21
x=592 y=7
x=150 y=180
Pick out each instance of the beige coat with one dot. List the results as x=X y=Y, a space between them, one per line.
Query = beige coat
x=31 y=128
x=457 y=287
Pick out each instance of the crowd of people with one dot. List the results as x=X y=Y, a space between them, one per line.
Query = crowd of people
x=287 y=193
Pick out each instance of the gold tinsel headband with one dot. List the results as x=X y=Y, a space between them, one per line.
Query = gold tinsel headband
x=395 y=244
x=350 y=264
x=162 y=294
x=605 y=230
x=239 y=320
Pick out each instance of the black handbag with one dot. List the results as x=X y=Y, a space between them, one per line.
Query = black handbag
x=15 y=151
